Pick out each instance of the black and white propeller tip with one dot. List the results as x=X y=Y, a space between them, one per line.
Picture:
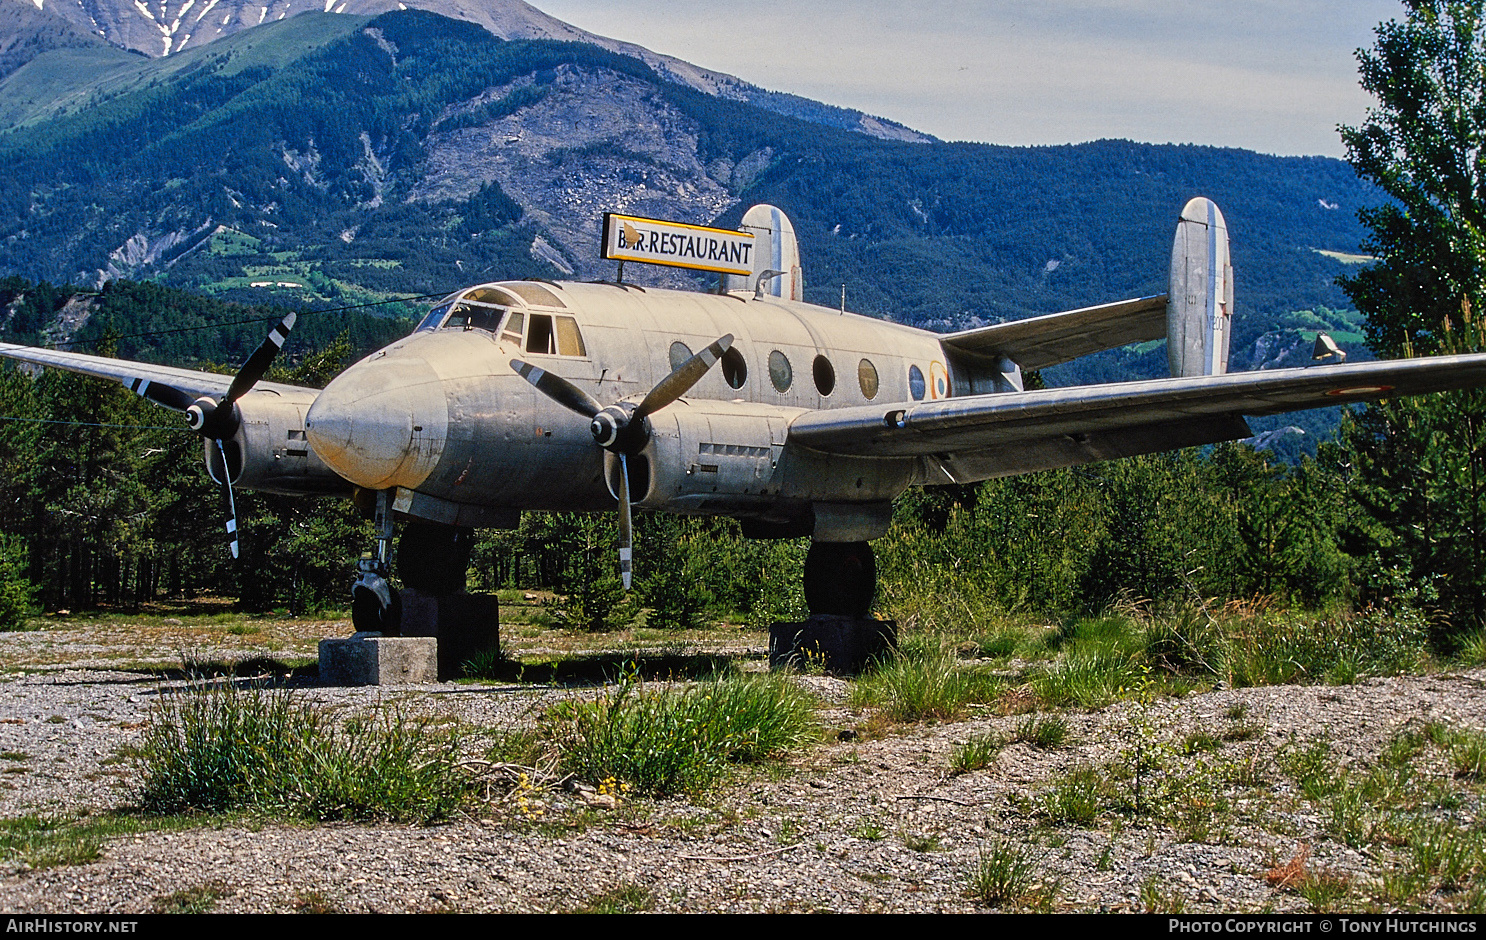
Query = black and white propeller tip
x=621 y=428
x=217 y=420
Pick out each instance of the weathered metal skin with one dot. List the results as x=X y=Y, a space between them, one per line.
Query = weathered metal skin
x=269 y=451
x=441 y=413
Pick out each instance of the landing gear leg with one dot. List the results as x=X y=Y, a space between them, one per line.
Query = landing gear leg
x=840 y=636
x=432 y=561
x=376 y=606
x=840 y=579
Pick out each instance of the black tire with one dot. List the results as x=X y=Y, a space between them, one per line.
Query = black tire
x=840 y=579
x=368 y=615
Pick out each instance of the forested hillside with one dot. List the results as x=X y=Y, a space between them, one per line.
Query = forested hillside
x=399 y=155
x=348 y=165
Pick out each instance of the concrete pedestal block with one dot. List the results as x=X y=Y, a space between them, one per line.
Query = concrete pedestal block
x=378 y=660
x=465 y=625
x=839 y=645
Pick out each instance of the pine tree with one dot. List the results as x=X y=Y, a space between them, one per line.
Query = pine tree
x=1417 y=464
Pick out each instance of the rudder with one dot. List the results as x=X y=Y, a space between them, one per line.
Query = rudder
x=1199 y=305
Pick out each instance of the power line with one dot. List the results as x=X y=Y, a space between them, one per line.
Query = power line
x=219 y=325
x=94 y=424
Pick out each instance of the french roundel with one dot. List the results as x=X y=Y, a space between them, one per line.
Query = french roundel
x=938 y=380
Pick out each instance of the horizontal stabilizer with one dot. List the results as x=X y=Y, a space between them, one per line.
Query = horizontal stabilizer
x=1039 y=342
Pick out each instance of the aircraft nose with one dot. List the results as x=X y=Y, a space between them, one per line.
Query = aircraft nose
x=381 y=423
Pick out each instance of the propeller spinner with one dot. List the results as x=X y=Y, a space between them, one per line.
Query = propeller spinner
x=621 y=428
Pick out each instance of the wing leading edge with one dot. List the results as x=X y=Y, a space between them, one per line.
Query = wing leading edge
x=982 y=436
x=135 y=375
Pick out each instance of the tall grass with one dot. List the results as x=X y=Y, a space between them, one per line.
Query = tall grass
x=1247 y=644
x=229 y=749
x=924 y=683
x=670 y=741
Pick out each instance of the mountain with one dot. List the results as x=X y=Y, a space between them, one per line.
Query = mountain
x=160 y=28
x=333 y=159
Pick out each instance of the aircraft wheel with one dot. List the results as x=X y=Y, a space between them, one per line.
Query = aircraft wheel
x=372 y=612
x=434 y=558
x=840 y=579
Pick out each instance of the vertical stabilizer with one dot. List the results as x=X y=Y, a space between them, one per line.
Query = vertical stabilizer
x=1199 y=305
x=776 y=250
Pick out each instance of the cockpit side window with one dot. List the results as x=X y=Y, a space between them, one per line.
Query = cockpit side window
x=569 y=340
x=553 y=335
x=539 y=338
x=512 y=332
x=540 y=334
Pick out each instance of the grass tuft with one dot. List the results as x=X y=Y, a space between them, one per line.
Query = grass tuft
x=669 y=741
x=227 y=749
x=1044 y=732
x=977 y=753
x=1004 y=874
x=200 y=899
x=924 y=685
x=622 y=899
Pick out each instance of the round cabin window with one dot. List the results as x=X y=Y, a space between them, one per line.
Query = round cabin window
x=680 y=352
x=780 y=372
x=916 y=385
x=825 y=375
x=867 y=377
x=734 y=368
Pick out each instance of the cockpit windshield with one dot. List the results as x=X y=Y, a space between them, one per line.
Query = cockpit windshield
x=490 y=309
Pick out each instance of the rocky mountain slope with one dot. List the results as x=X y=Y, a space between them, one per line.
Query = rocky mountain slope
x=331 y=159
x=159 y=28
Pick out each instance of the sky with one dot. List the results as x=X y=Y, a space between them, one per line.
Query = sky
x=1276 y=76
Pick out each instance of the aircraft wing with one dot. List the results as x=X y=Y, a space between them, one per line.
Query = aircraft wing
x=981 y=436
x=133 y=374
x=1039 y=342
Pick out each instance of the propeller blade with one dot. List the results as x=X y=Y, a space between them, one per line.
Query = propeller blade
x=557 y=388
x=160 y=394
x=231 y=502
x=260 y=360
x=679 y=382
x=626 y=530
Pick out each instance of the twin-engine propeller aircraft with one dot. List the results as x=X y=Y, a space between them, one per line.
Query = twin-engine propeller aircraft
x=795 y=419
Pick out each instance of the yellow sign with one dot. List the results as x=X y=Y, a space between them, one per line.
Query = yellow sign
x=655 y=241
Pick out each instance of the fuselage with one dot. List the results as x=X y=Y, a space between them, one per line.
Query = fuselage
x=441 y=417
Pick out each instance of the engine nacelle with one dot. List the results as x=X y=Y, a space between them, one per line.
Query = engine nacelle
x=269 y=451
x=730 y=458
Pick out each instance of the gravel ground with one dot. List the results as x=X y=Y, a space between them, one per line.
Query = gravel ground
x=872 y=821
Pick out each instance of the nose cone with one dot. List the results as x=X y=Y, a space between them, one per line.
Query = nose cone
x=381 y=423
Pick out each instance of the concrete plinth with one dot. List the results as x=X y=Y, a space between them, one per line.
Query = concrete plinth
x=839 y=645
x=465 y=626
x=378 y=660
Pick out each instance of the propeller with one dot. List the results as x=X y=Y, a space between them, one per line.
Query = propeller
x=218 y=421
x=621 y=428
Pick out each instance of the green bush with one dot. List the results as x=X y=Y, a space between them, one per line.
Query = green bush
x=17 y=595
